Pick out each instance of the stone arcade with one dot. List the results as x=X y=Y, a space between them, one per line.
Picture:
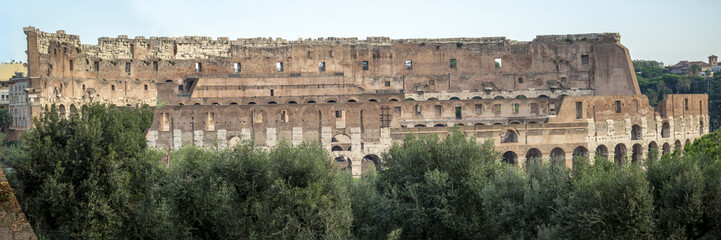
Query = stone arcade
x=558 y=95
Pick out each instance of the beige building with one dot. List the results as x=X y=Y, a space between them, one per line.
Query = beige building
x=552 y=98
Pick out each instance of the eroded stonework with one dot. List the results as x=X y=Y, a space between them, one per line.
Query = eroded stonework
x=558 y=95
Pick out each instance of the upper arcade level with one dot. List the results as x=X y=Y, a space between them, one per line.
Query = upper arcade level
x=594 y=63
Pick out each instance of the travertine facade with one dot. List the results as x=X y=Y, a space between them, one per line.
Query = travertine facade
x=556 y=95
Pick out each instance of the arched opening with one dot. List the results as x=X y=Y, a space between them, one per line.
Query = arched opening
x=521 y=97
x=637 y=153
x=341 y=138
x=499 y=97
x=393 y=100
x=73 y=111
x=215 y=104
x=652 y=145
x=542 y=96
x=181 y=104
x=515 y=122
x=677 y=145
x=460 y=124
x=478 y=124
x=454 y=98
x=619 y=153
x=509 y=136
x=636 y=132
x=371 y=159
x=410 y=99
x=531 y=122
x=292 y=102
x=331 y=101
x=580 y=151
x=439 y=125
x=233 y=103
x=310 y=101
x=477 y=98
x=602 y=151
x=510 y=158
x=372 y=100
x=61 y=111
x=432 y=99
x=687 y=142
x=533 y=155
x=352 y=100
x=168 y=81
x=665 y=130
x=498 y=123
x=196 y=104
x=336 y=149
x=419 y=126
x=272 y=102
x=251 y=103
x=666 y=148
x=558 y=156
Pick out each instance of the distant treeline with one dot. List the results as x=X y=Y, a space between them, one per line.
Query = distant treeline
x=656 y=81
x=91 y=177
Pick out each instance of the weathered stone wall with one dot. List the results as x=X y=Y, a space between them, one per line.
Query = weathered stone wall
x=13 y=223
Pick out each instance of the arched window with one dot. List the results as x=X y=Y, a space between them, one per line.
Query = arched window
x=558 y=156
x=509 y=136
x=636 y=132
x=233 y=103
x=439 y=125
x=580 y=151
x=637 y=153
x=454 y=98
x=602 y=151
x=677 y=145
x=510 y=158
x=499 y=97
x=665 y=130
x=336 y=148
x=251 y=103
x=432 y=99
x=310 y=101
x=477 y=98
x=393 y=100
x=419 y=126
x=521 y=97
x=331 y=101
x=619 y=152
x=292 y=102
x=542 y=96
x=666 y=148
x=352 y=100
x=534 y=154
x=372 y=100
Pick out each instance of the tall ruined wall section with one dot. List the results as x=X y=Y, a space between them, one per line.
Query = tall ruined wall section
x=124 y=71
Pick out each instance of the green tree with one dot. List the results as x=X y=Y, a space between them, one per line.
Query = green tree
x=694 y=70
x=83 y=176
x=433 y=186
x=5 y=119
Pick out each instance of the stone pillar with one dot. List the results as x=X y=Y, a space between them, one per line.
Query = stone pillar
x=355 y=139
x=385 y=138
x=326 y=136
x=198 y=138
x=221 y=138
x=297 y=136
x=356 y=168
x=245 y=134
x=609 y=128
x=152 y=138
x=270 y=137
x=177 y=138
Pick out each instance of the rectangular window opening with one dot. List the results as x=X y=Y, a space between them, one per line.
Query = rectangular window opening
x=459 y=112
x=71 y=65
x=365 y=65
x=520 y=80
x=418 y=110
x=155 y=66
x=618 y=106
x=338 y=114
x=96 y=66
x=479 y=109
x=198 y=67
x=146 y=87
x=387 y=83
x=83 y=87
x=497 y=108
x=439 y=110
x=453 y=63
x=279 y=66
x=180 y=87
x=579 y=110
x=584 y=59
x=272 y=92
x=516 y=108
x=635 y=106
x=409 y=64
x=112 y=87
x=236 y=67
x=534 y=108
x=685 y=103
x=321 y=66
x=127 y=67
x=499 y=62
x=398 y=111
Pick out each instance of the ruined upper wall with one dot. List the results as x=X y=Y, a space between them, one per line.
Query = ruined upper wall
x=594 y=62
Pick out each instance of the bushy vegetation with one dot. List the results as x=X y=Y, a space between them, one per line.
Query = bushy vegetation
x=90 y=177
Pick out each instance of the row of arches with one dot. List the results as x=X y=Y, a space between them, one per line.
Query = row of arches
x=345 y=162
x=620 y=151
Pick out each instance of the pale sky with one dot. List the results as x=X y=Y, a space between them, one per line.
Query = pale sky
x=662 y=30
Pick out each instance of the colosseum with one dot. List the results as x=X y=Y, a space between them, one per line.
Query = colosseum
x=555 y=96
